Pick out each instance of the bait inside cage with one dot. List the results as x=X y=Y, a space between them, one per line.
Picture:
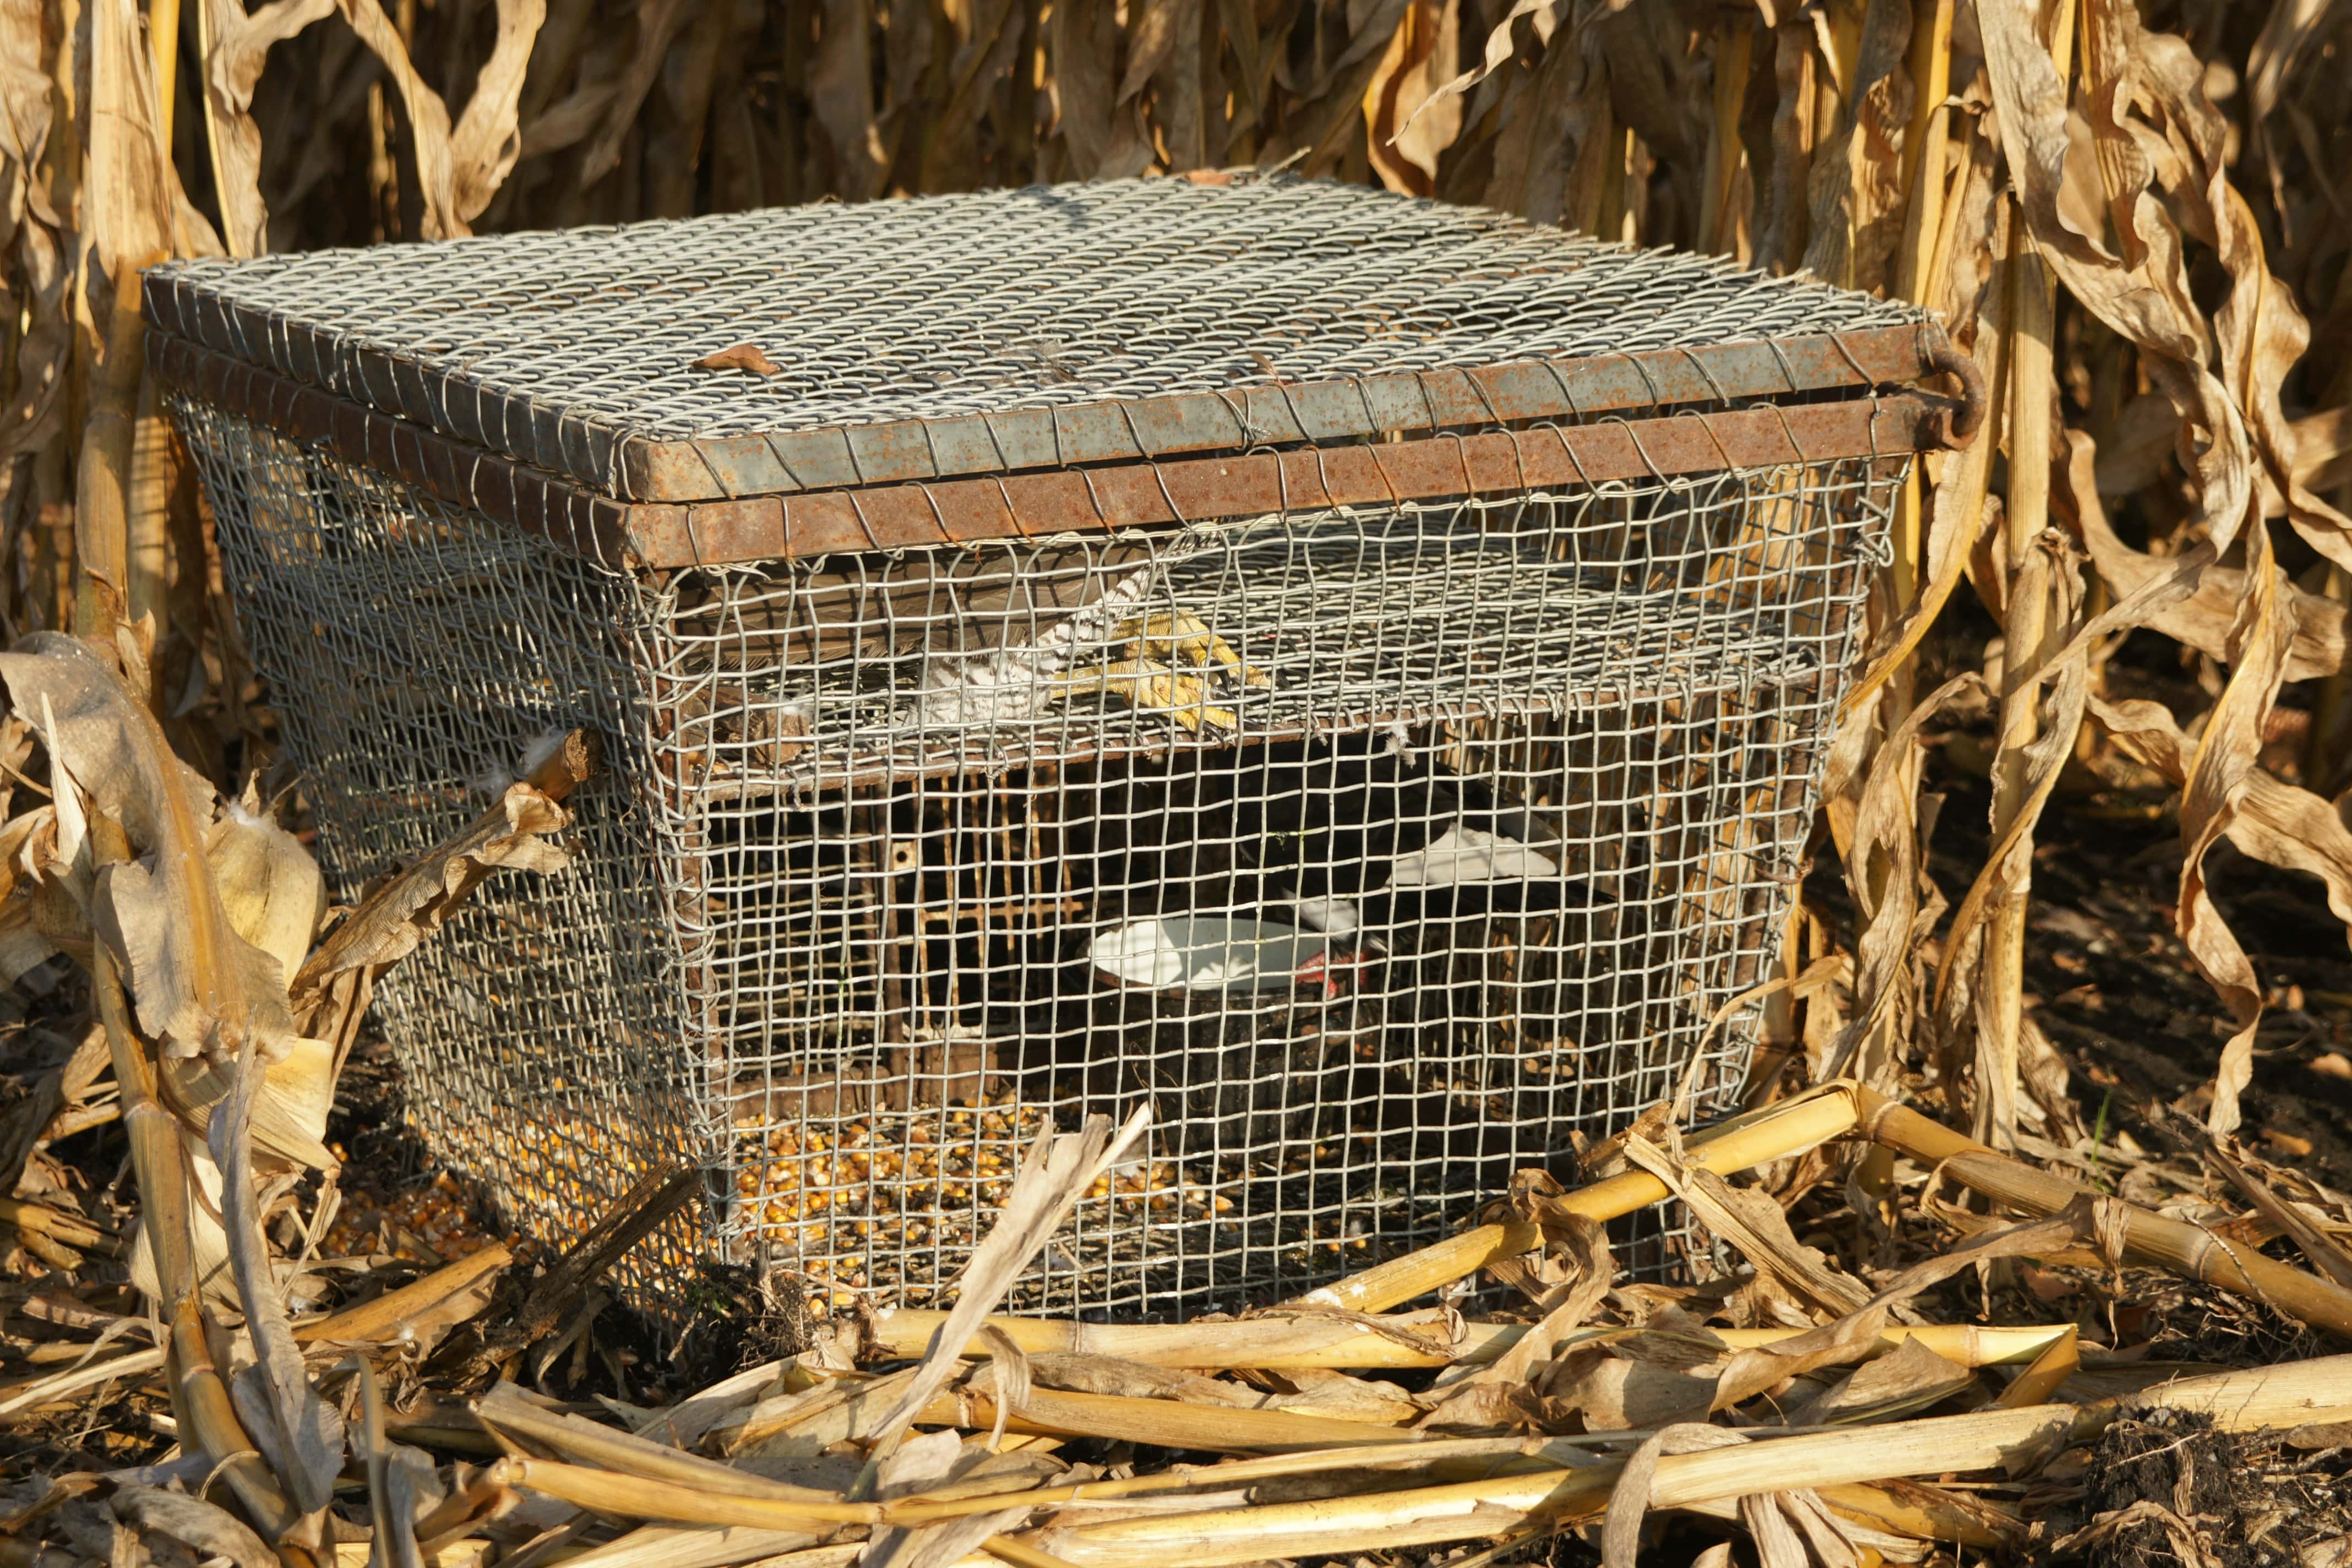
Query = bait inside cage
x=1388 y=778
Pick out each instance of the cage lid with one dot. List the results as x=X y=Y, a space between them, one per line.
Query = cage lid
x=974 y=335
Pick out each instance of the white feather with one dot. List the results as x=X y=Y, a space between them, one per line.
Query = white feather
x=1467 y=855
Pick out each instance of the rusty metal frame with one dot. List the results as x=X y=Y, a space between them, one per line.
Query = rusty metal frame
x=667 y=535
x=612 y=461
x=1351 y=408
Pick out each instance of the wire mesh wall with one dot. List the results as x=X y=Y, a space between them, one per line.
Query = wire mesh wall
x=1380 y=850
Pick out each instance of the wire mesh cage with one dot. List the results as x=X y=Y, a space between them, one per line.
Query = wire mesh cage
x=1348 y=672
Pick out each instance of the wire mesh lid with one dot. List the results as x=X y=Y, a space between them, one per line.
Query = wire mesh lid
x=986 y=334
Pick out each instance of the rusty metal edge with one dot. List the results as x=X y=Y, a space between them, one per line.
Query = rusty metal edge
x=619 y=534
x=1275 y=413
x=607 y=459
x=592 y=526
x=1143 y=495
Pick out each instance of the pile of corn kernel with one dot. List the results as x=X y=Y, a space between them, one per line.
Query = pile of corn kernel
x=430 y=1224
x=561 y=1179
x=912 y=1192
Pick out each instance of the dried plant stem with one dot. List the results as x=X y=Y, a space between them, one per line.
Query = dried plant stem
x=2286 y=1395
x=1165 y=1423
x=163 y=46
x=2148 y=1238
x=147 y=553
x=102 y=500
x=1962 y=491
x=1926 y=1512
x=1020 y=1553
x=39 y=1219
x=1487 y=1454
x=33 y=1393
x=2054 y=1366
x=642 y=1496
x=626 y=1453
x=157 y=1156
x=1277 y=1343
x=208 y=1422
x=211 y=1426
x=1924 y=147
x=2026 y=634
x=1789 y=1126
x=2027 y=638
x=385 y=1315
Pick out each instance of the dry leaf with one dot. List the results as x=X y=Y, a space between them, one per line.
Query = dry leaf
x=195 y=984
x=392 y=920
x=1908 y=1378
x=485 y=143
x=1614 y=1393
x=236 y=48
x=175 y=1515
x=428 y=117
x=1053 y=1175
x=270 y=887
x=1856 y=1336
x=742 y=356
x=308 y=1432
x=1754 y=1225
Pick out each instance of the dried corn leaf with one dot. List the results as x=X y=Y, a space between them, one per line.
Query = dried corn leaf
x=192 y=1523
x=270 y=887
x=1052 y=1177
x=238 y=45
x=195 y=983
x=2277 y=823
x=1616 y=1388
x=485 y=143
x=1900 y=908
x=1857 y=176
x=1404 y=145
x=1778 y=1544
x=130 y=188
x=1754 y=1225
x=308 y=1432
x=1500 y=46
x=2144 y=294
x=35 y=399
x=1855 y=1336
x=677 y=1546
x=1908 y=1378
x=428 y=118
x=1476 y=1398
x=392 y=920
x=2205 y=616
x=1630 y=1500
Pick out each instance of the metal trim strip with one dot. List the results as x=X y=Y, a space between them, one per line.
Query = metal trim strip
x=732 y=467
x=668 y=535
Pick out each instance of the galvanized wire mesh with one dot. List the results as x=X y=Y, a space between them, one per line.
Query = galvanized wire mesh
x=1379 y=851
x=552 y=346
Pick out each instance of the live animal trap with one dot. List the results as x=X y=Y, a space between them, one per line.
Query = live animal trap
x=1349 y=671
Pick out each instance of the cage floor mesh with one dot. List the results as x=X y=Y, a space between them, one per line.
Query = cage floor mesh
x=1379 y=852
